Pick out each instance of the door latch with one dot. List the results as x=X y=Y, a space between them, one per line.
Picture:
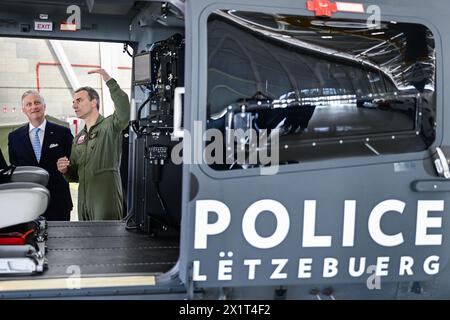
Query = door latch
x=441 y=164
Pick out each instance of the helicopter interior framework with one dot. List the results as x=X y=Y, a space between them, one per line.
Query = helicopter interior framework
x=121 y=249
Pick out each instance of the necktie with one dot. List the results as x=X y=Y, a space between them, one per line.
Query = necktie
x=36 y=143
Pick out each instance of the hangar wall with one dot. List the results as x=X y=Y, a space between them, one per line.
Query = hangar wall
x=24 y=66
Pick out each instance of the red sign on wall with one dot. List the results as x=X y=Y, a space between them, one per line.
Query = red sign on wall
x=43 y=26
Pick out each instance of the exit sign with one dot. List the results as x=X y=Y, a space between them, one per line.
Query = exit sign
x=43 y=26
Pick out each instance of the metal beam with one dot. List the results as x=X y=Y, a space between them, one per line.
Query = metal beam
x=62 y=58
x=109 y=61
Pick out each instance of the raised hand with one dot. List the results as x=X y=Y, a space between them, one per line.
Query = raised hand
x=101 y=72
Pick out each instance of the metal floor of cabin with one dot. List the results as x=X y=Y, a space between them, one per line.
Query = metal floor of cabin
x=105 y=248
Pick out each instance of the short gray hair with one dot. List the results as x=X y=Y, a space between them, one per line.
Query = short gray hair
x=92 y=93
x=34 y=93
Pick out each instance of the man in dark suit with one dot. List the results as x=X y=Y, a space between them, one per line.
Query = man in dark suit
x=41 y=143
x=3 y=164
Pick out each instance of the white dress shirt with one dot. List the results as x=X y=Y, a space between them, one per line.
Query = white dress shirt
x=41 y=132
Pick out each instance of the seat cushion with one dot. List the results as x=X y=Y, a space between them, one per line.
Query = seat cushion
x=22 y=202
x=30 y=174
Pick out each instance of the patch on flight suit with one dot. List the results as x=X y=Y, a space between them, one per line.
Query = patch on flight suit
x=81 y=139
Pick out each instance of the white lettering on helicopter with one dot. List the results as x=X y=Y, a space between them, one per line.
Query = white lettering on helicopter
x=207 y=227
x=330 y=267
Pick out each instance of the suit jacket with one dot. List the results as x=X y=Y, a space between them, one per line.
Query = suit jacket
x=3 y=164
x=57 y=143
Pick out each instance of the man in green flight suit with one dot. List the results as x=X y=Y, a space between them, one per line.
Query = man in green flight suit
x=96 y=152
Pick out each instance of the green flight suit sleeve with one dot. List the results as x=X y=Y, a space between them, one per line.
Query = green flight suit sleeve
x=72 y=170
x=121 y=115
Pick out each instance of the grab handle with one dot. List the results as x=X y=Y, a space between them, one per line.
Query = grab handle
x=178 y=131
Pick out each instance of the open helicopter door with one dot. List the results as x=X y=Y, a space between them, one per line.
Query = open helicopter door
x=314 y=145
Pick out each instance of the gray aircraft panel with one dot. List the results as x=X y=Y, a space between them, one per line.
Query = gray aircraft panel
x=369 y=181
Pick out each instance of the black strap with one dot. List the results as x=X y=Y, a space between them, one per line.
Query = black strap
x=6 y=174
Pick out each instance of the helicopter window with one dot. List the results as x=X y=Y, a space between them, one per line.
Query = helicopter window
x=328 y=88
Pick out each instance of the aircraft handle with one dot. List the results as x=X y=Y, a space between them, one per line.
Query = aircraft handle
x=431 y=186
x=441 y=164
x=178 y=131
